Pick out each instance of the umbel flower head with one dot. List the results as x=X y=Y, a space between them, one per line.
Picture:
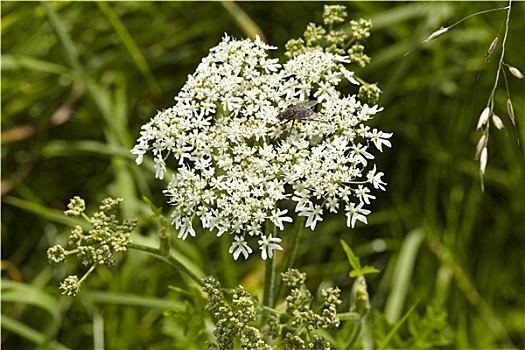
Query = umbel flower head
x=244 y=147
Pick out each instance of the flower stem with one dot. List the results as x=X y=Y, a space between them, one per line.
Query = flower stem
x=91 y=269
x=164 y=236
x=269 y=276
x=296 y=238
x=168 y=258
x=294 y=244
x=269 y=283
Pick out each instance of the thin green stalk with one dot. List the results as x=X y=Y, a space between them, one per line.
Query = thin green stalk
x=294 y=245
x=269 y=275
x=130 y=44
x=354 y=335
x=394 y=330
x=292 y=251
x=65 y=40
x=168 y=258
x=500 y=62
x=83 y=278
x=490 y=102
x=164 y=236
x=269 y=283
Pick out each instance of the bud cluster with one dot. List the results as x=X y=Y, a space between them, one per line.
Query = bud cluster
x=97 y=245
x=347 y=41
x=237 y=315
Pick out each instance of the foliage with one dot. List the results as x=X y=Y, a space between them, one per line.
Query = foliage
x=78 y=80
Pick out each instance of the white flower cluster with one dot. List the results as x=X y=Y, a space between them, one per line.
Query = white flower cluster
x=237 y=163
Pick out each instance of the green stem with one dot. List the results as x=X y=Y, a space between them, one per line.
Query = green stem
x=479 y=13
x=358 y=324
x=269 y=283
x=166 y=257
x=164 y=236
x=269 y=275
x=294 y=245
x=91 y=269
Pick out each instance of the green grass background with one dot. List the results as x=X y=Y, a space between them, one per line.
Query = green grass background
x=78 y=80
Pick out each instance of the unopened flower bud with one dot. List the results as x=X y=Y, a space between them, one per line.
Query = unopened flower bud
x=481 y=144
x=483 y=118
x=483 y=160
x=497 y=122
x=510 y=110
x=516 y=72
x=434 y=35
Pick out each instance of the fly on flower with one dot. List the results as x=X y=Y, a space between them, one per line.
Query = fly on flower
x=301 y=110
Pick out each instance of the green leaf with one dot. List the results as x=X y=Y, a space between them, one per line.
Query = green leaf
x=352 y=258
x=365 y=270
x=52 y=215
x=30 y=295
x=14 y=292
x=402 y=277
x=358 y=270
x=24 y=331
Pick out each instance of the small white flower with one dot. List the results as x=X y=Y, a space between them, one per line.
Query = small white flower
x=332 y=204
x=160 y=167
x=278 y=220
x=378 y=138
x=303 y=203
x=362 y=194
x=349 y=76
x=262 y=44
x=254 y=228
x=354 y=213
x=232 y=103
x=361 y=155
x=271 y=65
x=240 y=246
x=375 y=179
x=342 y=59
x=325 y=92
x=313 y=216
x=362 y=130
x=185 y=229
x=139 y=150
x=267 y=245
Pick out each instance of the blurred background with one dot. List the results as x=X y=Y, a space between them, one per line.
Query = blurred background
x=80 y=78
